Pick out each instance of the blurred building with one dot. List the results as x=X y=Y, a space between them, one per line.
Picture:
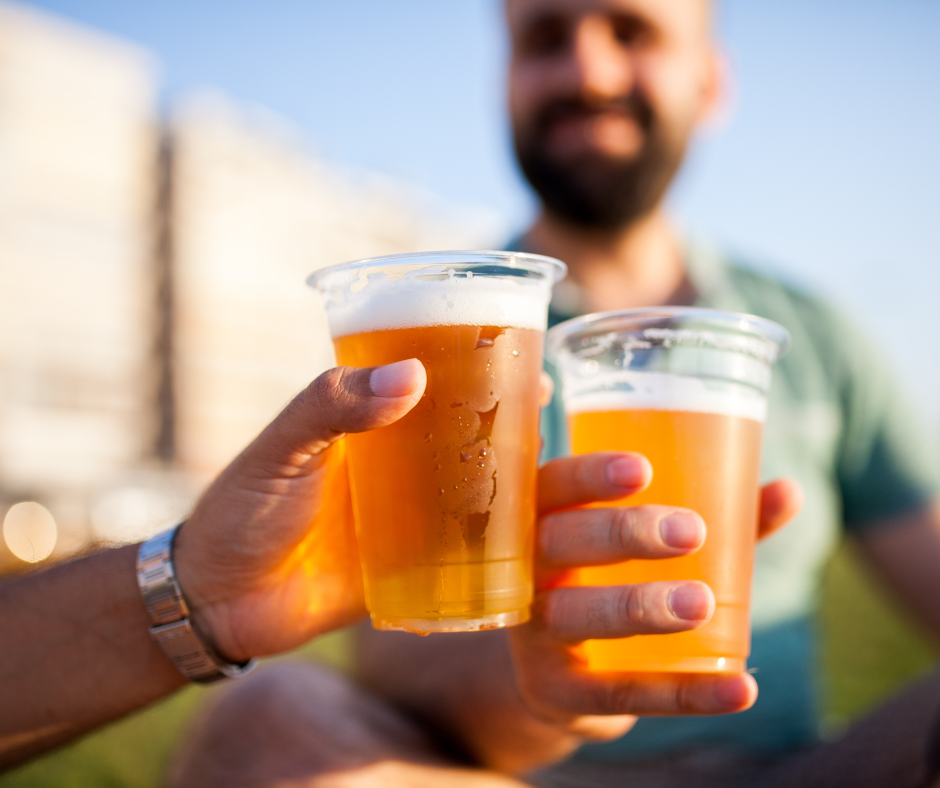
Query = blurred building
x=77 y=160
x=251 y=215
x=152 y=298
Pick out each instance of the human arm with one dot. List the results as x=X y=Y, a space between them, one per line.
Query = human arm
x=267 y=560
x=905 y=552
x=516 y=699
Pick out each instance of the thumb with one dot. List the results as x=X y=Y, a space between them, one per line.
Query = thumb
x=345 y=399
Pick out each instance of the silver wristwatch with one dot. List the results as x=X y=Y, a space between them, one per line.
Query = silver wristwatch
x=169 y=614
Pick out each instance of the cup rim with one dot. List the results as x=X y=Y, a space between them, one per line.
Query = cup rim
x=551 y=268
x=723 y=320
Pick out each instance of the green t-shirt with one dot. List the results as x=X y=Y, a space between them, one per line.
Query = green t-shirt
x=838 y=424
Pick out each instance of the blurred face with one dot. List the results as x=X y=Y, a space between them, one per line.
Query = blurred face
x=603 y=97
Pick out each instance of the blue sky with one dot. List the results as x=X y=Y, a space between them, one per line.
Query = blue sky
x=827 y=168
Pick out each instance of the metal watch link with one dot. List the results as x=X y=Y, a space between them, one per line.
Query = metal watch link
x=169 y=614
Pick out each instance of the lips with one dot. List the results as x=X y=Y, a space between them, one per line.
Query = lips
x=615 y=133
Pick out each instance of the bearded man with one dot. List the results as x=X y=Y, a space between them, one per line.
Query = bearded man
x=604 y=98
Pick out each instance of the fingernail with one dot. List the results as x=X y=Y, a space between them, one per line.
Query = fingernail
x=732 y=693
x=394 y=380
x=633 y=471
x=682 y=530
x=690 y=602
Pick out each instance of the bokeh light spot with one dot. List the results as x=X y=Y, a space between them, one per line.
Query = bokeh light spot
x=30 y=532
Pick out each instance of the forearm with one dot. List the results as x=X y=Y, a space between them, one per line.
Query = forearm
x=905 y=552
x=76 y=653
x=464 y=685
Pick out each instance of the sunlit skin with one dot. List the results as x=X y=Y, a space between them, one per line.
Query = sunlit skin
x=289 y=567
x=317 y=587
x=267 y=560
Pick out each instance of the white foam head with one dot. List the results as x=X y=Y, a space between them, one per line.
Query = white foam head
x=630 y=390
x=382 y=303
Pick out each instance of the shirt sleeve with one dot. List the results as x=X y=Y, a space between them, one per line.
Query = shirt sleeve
x=887 y=464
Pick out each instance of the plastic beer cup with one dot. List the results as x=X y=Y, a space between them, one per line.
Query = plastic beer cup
x=687 y=388
x=444 y=499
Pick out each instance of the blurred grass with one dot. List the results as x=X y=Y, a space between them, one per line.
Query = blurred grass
x=869 y=649
x=870 y=646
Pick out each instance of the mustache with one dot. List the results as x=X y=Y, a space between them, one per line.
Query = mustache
x=631 y=105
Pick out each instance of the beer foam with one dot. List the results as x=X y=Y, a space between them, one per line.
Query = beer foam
x=381 y=303
x=631 y=390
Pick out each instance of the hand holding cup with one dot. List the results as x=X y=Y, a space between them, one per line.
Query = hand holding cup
x=551 y=673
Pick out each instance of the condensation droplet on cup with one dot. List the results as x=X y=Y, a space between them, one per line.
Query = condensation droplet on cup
x=464 y=456
x=481 y=465
x=589 y=367
x=440 y=490
x=428 y=438
x=515 y=352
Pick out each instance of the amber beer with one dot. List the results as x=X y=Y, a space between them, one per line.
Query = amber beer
x=444 y=499
x=701 y=431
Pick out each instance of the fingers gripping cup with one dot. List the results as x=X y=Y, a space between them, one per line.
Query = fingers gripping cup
x=444 y=499
x=687 y=388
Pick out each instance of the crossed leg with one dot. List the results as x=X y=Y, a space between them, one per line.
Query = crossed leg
x=299 y=725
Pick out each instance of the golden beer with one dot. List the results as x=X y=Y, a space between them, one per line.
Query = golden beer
x=687 y=389
x=444 y=498
x=707 y=462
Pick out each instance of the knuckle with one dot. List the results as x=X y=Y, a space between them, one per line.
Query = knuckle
x=625 y=530
x=616 y=697
x=631 y=606
x=329 y=388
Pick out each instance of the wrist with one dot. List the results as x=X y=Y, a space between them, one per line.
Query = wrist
x=172 y=628
x=206 y=609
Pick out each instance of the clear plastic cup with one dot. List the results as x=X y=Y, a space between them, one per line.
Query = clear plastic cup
x=444 y=499
x=687 y=388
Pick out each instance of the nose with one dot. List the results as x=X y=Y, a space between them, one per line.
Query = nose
x=600 y=65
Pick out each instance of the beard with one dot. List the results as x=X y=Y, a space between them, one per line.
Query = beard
x=596 y=191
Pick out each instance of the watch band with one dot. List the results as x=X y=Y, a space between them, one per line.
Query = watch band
x=169 y=614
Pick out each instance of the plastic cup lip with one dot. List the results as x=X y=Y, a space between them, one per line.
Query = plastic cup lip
x=635 y=320
x=548 y=267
